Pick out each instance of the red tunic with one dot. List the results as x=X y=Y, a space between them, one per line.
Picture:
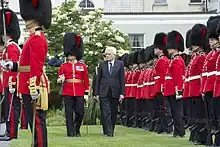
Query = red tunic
x=13 y=52
x=135 y=78
x=76 y=79
x=174 y=78
x=186 y=84
x=195 y=72
x=211 y=69
x=216 y=92
x=140 y=85
x=205 y=72
x=33 y=54
x=160 y=72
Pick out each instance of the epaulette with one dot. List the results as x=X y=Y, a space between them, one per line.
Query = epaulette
x=202 y=53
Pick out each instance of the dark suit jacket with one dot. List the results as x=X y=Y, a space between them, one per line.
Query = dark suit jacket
x=115 y=81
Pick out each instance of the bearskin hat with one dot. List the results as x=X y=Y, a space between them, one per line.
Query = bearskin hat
x=199 y=35
x=175 y=41
x=149 y=53
x=11 y=23
x=135 y=58
x=125 y=59
x=40 y=10
x=218 y=29
x=188 y=33
x=73 y=45
x=212 y=26
x=160 y=41
x=130 y=59
x=141 y=56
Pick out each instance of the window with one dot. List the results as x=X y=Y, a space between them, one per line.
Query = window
x=160 y=1
x=137 y=41
x=195 y=1
x=86 y=4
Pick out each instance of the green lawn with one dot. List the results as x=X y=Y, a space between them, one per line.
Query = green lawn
x=124 y=137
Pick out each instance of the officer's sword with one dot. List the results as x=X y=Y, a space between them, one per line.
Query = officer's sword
x=33 y=127
x=10 y=108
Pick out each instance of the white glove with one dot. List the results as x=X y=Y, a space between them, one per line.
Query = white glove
x=7 y=64
x=35 y=96
x=62 y=78
x=178 y=97
x=86 y=98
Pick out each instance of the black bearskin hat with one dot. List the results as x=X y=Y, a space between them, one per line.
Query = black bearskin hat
x=73 y=45
x=212 y=26
x=199 y=35
x=188 y=43
x=160 y=41
x=40 y=10
x=130 y=59
x=11 y=23
x=149 y=53
x=175 y=41
x=141 y=56
x=125 y=59
x=135 y=58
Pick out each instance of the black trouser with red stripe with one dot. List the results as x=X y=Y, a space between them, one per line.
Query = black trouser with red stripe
x=24 y=119
x=12 y=120
x=74 y=104
x=40 y=139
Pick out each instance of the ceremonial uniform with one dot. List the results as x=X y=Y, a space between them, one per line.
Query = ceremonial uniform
x=11 y=101
x=174 y=81
x=33 y=83
x=75 y=85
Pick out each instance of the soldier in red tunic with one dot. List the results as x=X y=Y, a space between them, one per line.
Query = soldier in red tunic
x=198 y=41
x=74 y=76
x=209 y=76
x=160 y=69
x=216 y=94
x=11 y=101
x=186 y=83
x=174 y=79
x=33 y=83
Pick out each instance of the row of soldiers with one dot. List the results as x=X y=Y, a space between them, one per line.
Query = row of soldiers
x=167 y=91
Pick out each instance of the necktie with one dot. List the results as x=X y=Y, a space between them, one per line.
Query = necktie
x=110 y=68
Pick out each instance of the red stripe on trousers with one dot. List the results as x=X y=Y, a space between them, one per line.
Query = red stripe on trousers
x=39 y=131
x=12 y=121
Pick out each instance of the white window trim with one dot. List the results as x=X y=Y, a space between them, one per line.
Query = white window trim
x=87 y=8
x=160 y=4
x=143 y=40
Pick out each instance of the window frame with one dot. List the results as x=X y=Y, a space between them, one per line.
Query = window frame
x=86 y=3
x=142 y=43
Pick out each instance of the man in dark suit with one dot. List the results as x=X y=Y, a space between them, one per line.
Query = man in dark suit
x=110 y=85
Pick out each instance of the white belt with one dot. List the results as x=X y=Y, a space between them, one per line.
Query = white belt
x=131 y=85
x=140 y=86
x=194 y=77
x=218 y=73
x=156 y=77
x=204 y=74
x=187 y=80
x=149 y=83
x=168 y=78
x=211 y=73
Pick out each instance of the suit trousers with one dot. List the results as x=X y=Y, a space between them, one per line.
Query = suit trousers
x=109 y=108
x=74 y=105
x=176 y=107
x=40 y=139
x=12 y=120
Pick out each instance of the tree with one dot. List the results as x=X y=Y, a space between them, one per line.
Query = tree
x=97 y=34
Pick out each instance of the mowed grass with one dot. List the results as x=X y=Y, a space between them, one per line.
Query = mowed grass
x=124 y=137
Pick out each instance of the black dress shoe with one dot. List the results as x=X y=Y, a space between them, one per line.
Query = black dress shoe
x=77 y=135
x=5 y=138
x=109 y=135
